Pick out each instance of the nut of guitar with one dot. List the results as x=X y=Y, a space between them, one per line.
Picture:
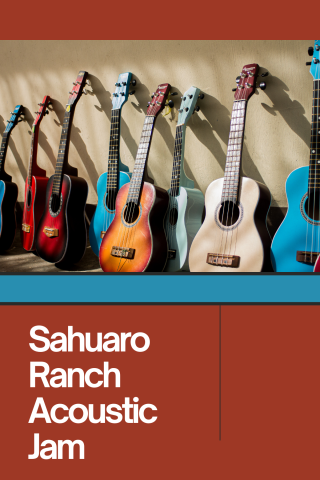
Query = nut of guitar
x=51 y=232
x=123 y=252
x=222 y=260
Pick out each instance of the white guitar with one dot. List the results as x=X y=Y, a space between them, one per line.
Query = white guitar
x=234 y=236
x=186 y=203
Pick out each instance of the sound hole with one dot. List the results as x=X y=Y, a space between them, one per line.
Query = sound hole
x=173 y=216
x=29 y=196
x=229 y=213
x=131 y=212
x=55 y=203
x=312 y=207
x=111 y=200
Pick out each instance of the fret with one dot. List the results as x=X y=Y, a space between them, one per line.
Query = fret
x=314 y=169
x=177 y=161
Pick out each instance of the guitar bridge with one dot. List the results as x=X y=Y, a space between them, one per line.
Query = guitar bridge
x=102 y=234
x=171 y=254
x=26 y=228
x=123 y=252
x=51 y=232
x=307 y=257
x=222 y=260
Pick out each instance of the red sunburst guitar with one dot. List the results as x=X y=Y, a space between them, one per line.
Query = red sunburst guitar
x=36 y=184
x=136 y=241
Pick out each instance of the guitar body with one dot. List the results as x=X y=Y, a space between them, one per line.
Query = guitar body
x=182 y=223
x=70 y=243
x=8 y=199
x=103 y=217
x=145 y=235
x=295 y=232
x=247 y=238
x=34 y=200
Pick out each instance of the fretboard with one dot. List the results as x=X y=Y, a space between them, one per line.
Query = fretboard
x=177 y=155
x=63 y=151
x=3 y=150
x=113 y=162
x=234 y=152
x=33 y=151
x=141 y=161
x=314 y=165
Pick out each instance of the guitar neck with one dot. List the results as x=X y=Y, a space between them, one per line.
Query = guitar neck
x=234 y=152
x=177 y=160
x=314 y=164
x=3 y=150
x=141 y=160
x=114 y=151
x=63 y=151
x=33 y=151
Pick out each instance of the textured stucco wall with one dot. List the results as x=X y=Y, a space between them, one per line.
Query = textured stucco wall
x=278 y=121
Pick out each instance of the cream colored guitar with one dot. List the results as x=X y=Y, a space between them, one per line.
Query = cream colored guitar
x=234 y=235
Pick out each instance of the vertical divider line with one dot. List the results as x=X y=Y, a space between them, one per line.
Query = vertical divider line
x=219 y=372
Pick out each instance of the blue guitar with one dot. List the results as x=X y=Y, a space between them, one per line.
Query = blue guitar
x=296 y=245
x=186 y=203
x=8 y=189
x=117 y=175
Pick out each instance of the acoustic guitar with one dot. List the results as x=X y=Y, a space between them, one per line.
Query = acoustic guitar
x=234 y=235
x=62 y=235
x=296 y=244
x=117 y=174
x=36 y=184
x=186 y=203
x=8 y=189
x=136 y=241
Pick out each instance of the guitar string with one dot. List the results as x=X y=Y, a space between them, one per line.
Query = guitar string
x=314 y=175
x=317 y=154
x=309 y=175
x=175 y=186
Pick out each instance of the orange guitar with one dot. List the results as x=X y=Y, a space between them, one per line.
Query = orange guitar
x=136 y=240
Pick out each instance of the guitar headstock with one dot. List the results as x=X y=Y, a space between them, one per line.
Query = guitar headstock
x=121 y=95
x=247 y=82
x=42 y=111
x=77 y=89
x=188 y=104
x=315 y=64
x=159 y=99
x=17 y=112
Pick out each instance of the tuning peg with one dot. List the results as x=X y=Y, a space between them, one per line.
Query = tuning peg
x=317 y=47
x=265 y=74
x=41 y=104
x=235 y=89
x=201 y=96
x=152 y=95
x=170 y=104
x=115 y=95
x=8 y=121
x=21 y=120
x=186 y=109
x=316 y=60
x=36 y=113
x=262 y=85
x=173 y=94
x=238 y=79
x=183 y=98
x=124 y=83
x=197 y=109
x=131 y=93
x=72 y=92
x=46 y=112
x=310 y=51
x=122 y=94
x=11 y=113
x=117 y=84
x=308 y=63
x=49 y=103
x=88 y=83
x=84 y=91
x=74 y=83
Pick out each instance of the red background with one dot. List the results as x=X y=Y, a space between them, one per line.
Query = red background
x=270 y=393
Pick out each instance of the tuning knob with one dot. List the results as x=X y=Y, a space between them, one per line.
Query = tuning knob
x=115 y=95
x=235 y=89
x=124 y=83
x=197 y=109
x=122 y=94
x=88 y=83
x=317 y=47
x=72 y=92
x=173 y=94
x=310 y=51
x=50 y=103
x=133 y=83
x=84 y=91
x=183 y=98
x=46 y=112
x=263 y=86
x=308 y=63
x=265 y=74
x=41 y=104
x=316 y=60
x=152 y=95
x=201 y=96
x=117 y=85
x=34 y=112
x=170 y=104
x=186 y=109
x=131 y=93
x=238 y=79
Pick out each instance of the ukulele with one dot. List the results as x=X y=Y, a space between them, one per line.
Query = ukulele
x=36 y=184
x=234 y=235
x=136 y=240
x=61 y=235
x=117 y=174
x=296 y=244
x=186 y=203
x=8 y=189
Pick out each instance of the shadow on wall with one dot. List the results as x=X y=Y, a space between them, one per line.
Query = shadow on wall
x=43 y=139
x=12 y=146
x=291 y=110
